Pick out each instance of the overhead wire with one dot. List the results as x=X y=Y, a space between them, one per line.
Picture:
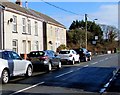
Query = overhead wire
x=61 y=8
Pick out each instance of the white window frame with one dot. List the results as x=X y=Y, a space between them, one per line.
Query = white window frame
x=24 y=25
x=29 y=46
x=14 y=24
x=36 y=45
x=24 y=46
x=29 y=27
x=36 y=28
x=15 y=45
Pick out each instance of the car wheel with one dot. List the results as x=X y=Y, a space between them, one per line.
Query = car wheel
x=29 y=71
x=73 y=62
x=5 y=76
x=90 y=58
x=79 y=60
x=86 y=59
x=59 y=65
x=49 y=67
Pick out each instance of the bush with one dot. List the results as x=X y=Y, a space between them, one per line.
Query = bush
x=61 y=47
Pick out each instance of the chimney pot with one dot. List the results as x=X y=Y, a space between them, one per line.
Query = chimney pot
x=19 y=2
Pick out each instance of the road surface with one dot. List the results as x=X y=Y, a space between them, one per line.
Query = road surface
x=89 y=78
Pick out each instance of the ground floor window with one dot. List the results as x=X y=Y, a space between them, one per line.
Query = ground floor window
x=29 y=46
x=36 y=45
x=15 y=45
x=24 y=46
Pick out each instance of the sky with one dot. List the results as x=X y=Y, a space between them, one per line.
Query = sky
x=105 y=12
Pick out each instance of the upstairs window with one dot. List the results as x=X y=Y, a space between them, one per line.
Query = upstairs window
x=29 y=27
x=36 y=45
x=24 y=25
x=36 y=28
x=14 y=24
x=15 y=45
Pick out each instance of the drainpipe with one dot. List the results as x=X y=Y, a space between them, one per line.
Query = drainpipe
x=3 y=32
x=2 y=27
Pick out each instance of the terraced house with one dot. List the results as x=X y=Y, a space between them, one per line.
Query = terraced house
x=24 y=30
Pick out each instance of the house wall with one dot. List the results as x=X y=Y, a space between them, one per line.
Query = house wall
x=20 y=36
x=56 y=35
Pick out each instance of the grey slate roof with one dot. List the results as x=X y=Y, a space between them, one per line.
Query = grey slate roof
x=31 y=12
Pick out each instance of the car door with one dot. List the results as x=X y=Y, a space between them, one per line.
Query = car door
x=52 y=58
x=19 y=64
x=6 y=55
x=76 y=57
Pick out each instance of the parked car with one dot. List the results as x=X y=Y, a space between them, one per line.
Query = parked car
x=85 y=55
x=69 y=56
x=46 y=58
x=11 y=64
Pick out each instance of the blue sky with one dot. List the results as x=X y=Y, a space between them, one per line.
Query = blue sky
x=105 y=12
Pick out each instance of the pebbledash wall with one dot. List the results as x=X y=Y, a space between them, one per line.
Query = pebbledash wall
x=19 y=40
x=24 y=30
x=55 y=36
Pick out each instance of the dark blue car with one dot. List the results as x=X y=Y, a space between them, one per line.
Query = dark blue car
x=84 y=54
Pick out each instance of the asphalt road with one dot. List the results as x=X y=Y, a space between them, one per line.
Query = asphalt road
x=84 y=78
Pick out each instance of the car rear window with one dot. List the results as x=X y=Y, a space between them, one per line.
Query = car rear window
x=64 y=52
x=77 y=51
x=36 y=54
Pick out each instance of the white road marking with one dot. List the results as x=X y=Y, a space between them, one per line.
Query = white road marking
x=94 y=63
x=86 y=65
x=63 y=74
x=78 y=69
x=106 y=58
x=101 y=60
x=27 y=88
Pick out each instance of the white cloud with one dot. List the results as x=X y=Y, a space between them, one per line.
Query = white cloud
x=107 y=14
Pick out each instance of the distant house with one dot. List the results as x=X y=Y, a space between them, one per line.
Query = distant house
x=24 y=30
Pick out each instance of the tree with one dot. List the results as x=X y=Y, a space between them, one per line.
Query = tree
x=76 y=38
x=91 y=27
x=112 y=36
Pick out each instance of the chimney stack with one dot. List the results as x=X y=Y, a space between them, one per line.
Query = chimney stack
x=19 y=2
x=26 y=4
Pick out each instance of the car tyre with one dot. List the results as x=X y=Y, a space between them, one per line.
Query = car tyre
x=59 y=65
x=29 y=71
x=90 y=58
x=5 y=76
x=73 y=62
x=79 y=60
x=86 y=59
x=49 y=67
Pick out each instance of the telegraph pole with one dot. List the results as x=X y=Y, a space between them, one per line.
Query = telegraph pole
x=86 y=31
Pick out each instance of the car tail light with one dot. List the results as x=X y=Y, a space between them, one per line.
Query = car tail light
x=44 y=58
x=70 y=55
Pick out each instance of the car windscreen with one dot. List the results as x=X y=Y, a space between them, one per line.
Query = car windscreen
x=37 y=54
x=64 y=52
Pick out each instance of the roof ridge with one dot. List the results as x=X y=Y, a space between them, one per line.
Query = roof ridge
x=31 y=12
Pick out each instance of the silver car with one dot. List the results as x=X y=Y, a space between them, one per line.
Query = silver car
x=46 y=58
x=11 y=64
